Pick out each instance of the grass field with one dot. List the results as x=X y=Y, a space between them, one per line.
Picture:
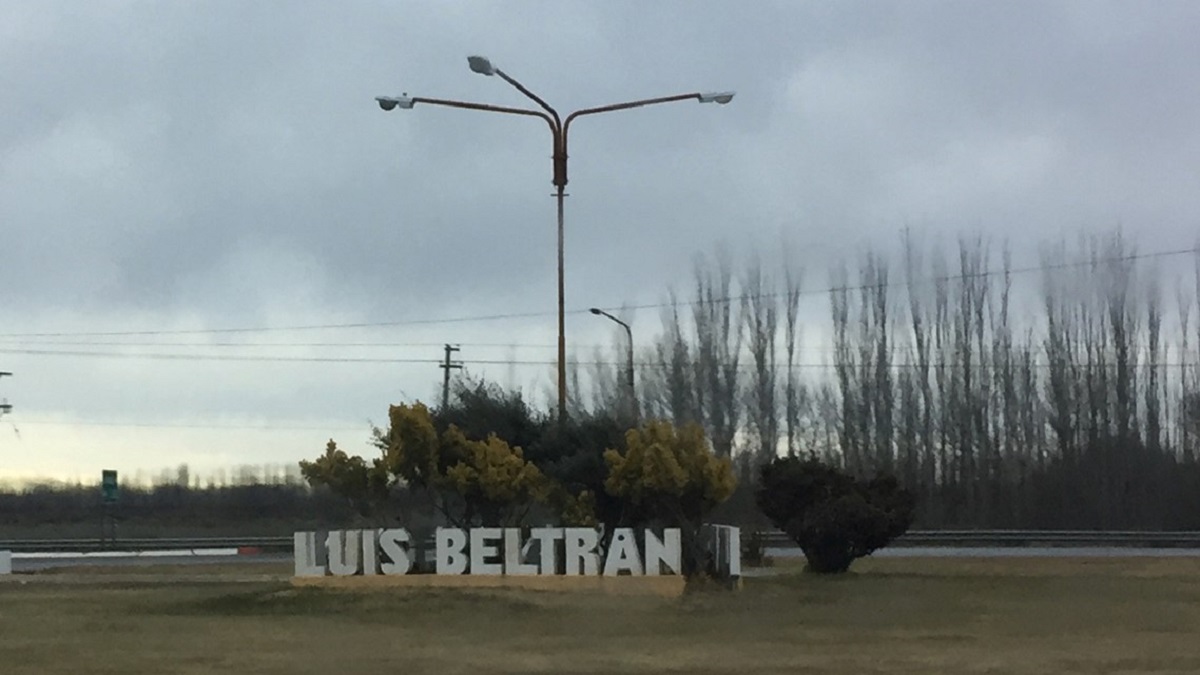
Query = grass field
x=888 y=616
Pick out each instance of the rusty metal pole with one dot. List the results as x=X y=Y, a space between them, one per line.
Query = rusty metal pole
x=633 y=402
x=559 y=128
x=560 y=194
x=562 y=324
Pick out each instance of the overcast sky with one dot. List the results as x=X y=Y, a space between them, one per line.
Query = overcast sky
x=191 y=166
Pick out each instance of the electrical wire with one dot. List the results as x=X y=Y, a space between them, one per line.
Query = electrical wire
x=745 y=365
x=439 y=345
x=170 y=425
x=659 y=305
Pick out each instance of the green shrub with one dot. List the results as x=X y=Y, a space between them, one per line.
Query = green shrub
x=833 y=517
x=754 y=550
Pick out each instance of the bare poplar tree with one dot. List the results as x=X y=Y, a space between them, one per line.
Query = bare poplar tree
x=718 y=351
x=760 y=313
x=921 y=345
x=1154 y=441
x=846 y=369
x=795 y=394
x=668 y=386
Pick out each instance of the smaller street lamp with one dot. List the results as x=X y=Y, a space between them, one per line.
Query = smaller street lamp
x=629 y=382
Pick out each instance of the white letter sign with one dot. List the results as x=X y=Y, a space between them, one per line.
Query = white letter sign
x=622 y=554
x=481 y=550
x=344 y=550
x=573 y=551
x=581 y=548
x=395 y=546
x=514 y=554
x=546 y=538
x=666 y=551
x=305 y=552
x=449 y=544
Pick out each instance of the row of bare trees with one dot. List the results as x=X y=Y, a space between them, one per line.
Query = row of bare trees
x=1062 y=394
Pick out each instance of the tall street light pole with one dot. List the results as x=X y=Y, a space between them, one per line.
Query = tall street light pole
x=630 y=387
x=559 y=129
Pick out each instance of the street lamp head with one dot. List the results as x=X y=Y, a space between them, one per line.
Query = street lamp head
x=596 y=311
x=481 y=65
x=721 y=97
x=404 y=102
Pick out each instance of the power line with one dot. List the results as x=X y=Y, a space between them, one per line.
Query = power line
x=658 y=305
x=7 y=345
x=17 y=347
x=266 y=329
x=927 y=280
x=89 y=343
x=212 y=357
x=539 y=362
x=170 y=425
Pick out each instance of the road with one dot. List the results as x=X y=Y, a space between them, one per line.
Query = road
x=33 y=562
x=1014 y=552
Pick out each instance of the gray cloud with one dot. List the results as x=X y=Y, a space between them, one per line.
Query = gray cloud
x=172 y=165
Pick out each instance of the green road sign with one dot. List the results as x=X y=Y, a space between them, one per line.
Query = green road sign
x=108 y=485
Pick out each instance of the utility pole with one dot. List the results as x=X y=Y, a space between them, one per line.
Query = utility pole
x=4 y=405
x=446 y=366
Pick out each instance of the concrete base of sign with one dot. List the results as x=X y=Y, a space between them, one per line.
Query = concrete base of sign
x=5 y=562
x=670 y=586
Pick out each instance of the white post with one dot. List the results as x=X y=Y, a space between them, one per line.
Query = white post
x=735 y=552
x=727 y=550
x=5 y=562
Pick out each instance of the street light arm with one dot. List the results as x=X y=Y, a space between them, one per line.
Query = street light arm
x=630 y=104
x=600 y=312
x=530 y=95
x=556 y=128
x=614 y=107
x=552 y=122
x=487 y=107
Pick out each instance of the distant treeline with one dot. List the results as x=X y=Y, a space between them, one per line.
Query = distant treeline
x=1064 y=394
x=1069 y=400
x=168 y=510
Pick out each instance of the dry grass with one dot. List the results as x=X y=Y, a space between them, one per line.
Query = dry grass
x=888 y=616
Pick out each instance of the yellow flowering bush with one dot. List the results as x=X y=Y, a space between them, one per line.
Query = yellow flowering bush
x=668 y=474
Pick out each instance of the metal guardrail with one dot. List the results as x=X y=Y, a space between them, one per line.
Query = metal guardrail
x=1019 y=538
x=144 y=544
x=960 y=538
